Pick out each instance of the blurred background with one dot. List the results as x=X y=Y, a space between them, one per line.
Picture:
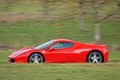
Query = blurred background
x=28 y=23
x=25 y=23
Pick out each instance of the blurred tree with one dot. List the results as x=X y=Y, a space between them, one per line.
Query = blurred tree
x=96 y=20
x=46 y=8
x=81 y=7
x=96 y=6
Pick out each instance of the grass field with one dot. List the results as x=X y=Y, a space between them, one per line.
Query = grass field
x=33 y=32
x=65 y=71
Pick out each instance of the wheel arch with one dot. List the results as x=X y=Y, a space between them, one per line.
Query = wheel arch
x=33 y=53
x=95 y=51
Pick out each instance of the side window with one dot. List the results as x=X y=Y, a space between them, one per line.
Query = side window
x=60 y=45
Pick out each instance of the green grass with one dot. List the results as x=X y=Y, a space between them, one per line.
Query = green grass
x=65 y=71
x=60 y=72
x=34 y=32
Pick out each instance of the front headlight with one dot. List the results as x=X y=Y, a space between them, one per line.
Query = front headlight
x=20 y=52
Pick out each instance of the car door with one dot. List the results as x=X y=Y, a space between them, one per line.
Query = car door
x=60 y=52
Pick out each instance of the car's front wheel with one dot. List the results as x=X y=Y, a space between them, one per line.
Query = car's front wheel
x=36 y=58
x=95 y=57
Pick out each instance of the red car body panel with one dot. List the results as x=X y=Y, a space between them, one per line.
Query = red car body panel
x=77 y=53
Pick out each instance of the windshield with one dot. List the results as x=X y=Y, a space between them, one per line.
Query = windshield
x=44 y=45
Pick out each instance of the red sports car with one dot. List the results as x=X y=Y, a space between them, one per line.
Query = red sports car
x=61 y=51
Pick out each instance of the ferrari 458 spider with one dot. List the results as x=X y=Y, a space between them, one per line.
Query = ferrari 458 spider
x=61 y=51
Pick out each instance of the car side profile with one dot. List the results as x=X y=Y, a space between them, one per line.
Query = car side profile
x=61 y=51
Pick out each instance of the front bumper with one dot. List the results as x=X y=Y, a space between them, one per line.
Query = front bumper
x=11 y=61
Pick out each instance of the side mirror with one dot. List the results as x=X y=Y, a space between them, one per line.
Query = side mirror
x=51 y=49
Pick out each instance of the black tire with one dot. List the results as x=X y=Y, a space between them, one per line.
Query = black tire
x=95 y=57
x=36 y=58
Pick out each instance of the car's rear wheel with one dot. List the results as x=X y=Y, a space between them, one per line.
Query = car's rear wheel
x=95 y=57
x=36 y=58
